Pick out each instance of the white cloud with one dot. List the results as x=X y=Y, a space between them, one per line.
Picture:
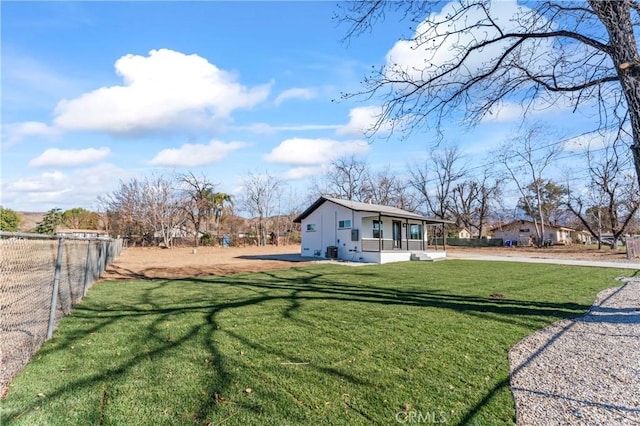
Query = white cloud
x=307 y=152
x=362 y=120
x=513 y=111
x=417 y=58
x=508 y=111
x=80 y=188
x=55 y=157
x=46 y=182
x=260 y=129
x=295 y=93
x=303 y=172
x=589 y=141
x=192 y=155
x=17 y=132
x=268 y=129
x=162 y=90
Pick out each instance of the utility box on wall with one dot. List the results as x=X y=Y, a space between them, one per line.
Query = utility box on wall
x=355 y=235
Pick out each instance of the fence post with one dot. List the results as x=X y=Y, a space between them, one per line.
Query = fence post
x=87 y=269
x=103 y=257
x=56 y=285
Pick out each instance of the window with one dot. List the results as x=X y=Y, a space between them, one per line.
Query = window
x=524 y=230
x=415 y=231
x=344 y=224
x=311 y=227
x=377 y=229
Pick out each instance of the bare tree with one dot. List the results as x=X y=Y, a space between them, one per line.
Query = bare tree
x=384 y=187
x=475 y=56
x=526 y=158
x=347 y=178
x=261 y=193
x=161 y=208
x=435 y=178
x=148 y=207
x=612 y=197
x=198 y=205
x=122 y=210
x=472 y=201
x=292 y=207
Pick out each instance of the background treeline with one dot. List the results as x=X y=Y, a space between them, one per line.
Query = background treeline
x=531 y=176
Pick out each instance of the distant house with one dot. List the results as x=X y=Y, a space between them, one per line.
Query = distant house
x=178 y=232
x=523 y=232
x=364 y=232
x=464 y=233
x=82 y=233
x=582 y=237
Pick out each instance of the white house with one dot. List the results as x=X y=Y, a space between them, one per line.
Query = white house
x=83 y=233
x=363 y=232
x=464 y=233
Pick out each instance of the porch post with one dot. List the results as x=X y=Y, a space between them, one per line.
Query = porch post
x=406 y=233
x=380 y=232
x=423 y=234
x=444 y=238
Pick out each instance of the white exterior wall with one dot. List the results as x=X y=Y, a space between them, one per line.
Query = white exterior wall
x=510 y=235
x=326 y=218
x=385 y=256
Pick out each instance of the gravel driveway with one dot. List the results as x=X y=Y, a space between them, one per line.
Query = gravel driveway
x=583 y=371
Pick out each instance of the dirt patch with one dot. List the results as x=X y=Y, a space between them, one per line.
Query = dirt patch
x=153 y=262
x=578 y=252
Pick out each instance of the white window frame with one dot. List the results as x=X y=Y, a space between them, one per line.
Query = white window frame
x=342 y=224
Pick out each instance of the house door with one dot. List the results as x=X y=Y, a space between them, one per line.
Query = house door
x=397 y=234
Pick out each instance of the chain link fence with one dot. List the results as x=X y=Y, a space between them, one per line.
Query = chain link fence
x=41 y=279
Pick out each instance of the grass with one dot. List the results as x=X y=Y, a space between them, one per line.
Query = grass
x=319 y=345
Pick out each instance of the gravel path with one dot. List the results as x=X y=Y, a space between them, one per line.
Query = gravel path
x=584 y=371
x=528 y=258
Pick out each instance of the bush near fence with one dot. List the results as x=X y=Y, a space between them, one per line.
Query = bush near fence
x=41 y=279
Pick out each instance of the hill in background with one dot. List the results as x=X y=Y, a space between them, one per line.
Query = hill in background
x=29 y=220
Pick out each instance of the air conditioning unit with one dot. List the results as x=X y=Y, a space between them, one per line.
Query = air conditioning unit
x=332 y=252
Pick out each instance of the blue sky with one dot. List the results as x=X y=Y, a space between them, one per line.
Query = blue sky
x=95 y=92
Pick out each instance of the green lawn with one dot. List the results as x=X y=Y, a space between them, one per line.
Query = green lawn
x=321 y=345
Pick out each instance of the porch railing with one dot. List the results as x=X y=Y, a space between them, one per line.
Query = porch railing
x=375 y=244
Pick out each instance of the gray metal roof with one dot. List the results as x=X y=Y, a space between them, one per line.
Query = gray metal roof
x=369 y=208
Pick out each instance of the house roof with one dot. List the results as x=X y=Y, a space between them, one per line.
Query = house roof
x=80 y=231
x=369 y=208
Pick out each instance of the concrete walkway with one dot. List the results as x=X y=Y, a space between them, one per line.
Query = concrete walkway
x=556 y=261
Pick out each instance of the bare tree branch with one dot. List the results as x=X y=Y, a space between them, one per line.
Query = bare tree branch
x=466 y=57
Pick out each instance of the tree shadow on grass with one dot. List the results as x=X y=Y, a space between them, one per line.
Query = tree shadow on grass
x=305 y=286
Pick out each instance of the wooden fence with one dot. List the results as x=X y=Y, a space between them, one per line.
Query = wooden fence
x=633 y=246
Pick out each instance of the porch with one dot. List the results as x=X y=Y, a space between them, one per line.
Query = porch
x=388 y=256
x=409 y=239
x=394 y=245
